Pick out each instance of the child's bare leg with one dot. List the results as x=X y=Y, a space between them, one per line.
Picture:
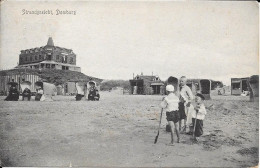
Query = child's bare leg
x=177 y=131
x=180 y=125
x=185 y=121
x=171 y=127
x=195 y=139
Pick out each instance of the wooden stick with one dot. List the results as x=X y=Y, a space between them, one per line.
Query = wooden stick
x=156 y=138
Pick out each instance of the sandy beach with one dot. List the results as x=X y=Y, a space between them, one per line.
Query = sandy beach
x=119 y=130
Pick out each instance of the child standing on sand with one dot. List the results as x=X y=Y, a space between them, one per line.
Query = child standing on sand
x=186 y=97
x=198 y=115
x=170 y=104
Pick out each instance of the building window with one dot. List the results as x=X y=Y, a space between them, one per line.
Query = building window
x=57 y=57
x=40 y=57
x=26 y=59
x=64 y=59
x=65 y=68
x=21 y=59
x=49 y=57
x=71 y=60
x=36 y=57
x=30 y=58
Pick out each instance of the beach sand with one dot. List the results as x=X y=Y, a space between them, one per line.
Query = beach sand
x=119 y=130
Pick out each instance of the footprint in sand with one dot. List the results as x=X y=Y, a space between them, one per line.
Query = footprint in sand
x=217 y=130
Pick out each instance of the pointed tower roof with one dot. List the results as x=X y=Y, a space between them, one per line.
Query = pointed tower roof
x=50 y=42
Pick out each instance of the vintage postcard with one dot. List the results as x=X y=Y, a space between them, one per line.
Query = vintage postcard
x=129 y=83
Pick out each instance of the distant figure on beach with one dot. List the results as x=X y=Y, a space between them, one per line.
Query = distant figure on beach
x=170 y=104
x=26 y=93
x=26 y=89
x=13 y=94
x=93 y=94
x=39 y=94
x=219 y=90
x=79 y=97
x=186 y=97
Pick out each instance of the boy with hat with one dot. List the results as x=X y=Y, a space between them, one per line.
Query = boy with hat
x=198 y=115
x=170 y=104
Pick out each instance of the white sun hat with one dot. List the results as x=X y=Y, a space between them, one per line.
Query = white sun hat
x=170 y=88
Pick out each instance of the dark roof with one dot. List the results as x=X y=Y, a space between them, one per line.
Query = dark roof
x=50 y=42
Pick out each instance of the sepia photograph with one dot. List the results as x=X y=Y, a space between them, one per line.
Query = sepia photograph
x=129 y=83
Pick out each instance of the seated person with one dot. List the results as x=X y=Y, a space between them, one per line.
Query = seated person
x=26 y=93
x=39 y=93
x=93 y=94
x=13 y=94
x=97 y=95
x=79 y=97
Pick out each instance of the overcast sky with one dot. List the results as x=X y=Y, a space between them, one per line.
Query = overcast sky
x=113 y=40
